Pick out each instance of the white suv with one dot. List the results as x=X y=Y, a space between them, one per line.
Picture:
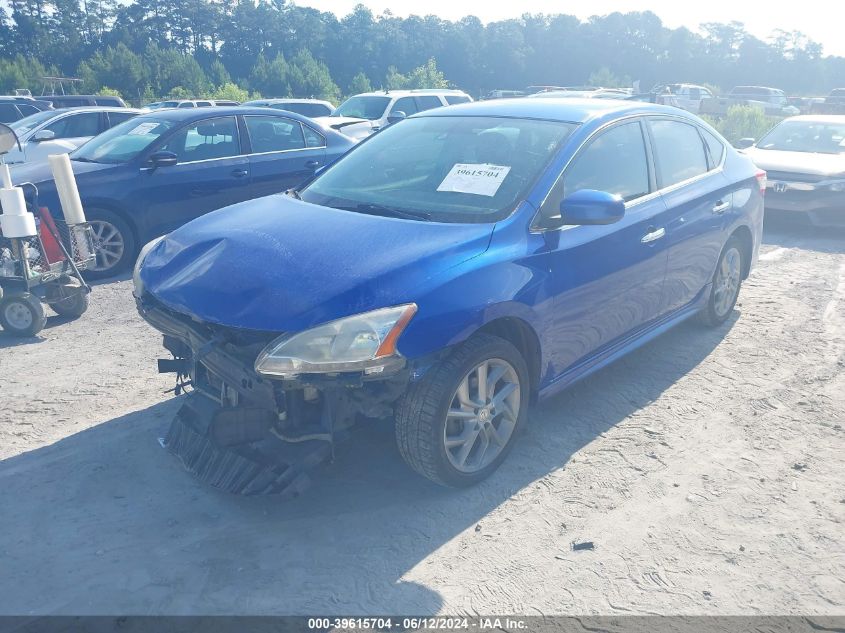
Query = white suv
x=363 y=114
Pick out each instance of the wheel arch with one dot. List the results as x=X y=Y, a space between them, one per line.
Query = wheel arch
x=111 y=207
x=743 y=234
x=522 y=336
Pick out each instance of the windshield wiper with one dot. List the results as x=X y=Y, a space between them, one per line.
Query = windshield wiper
x=391 y=212
x=82 y=159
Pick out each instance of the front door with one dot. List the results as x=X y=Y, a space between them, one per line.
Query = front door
x=607 y=280
x=211 y=173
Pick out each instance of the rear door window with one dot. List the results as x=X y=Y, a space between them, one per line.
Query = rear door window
x=119 y=117
x=615 y=162
x=406 y=105
x=428 y=102
x=274 y=134
x=679 y=152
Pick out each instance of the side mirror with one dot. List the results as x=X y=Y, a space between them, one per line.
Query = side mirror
x=8 y=139
x=162 y=159
x=43 y=135
x=744 y=143
x=588 y=206
x=395 y=117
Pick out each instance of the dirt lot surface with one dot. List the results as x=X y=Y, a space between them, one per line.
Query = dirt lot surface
x=707 y=469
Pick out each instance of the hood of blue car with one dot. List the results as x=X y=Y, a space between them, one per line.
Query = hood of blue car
x=281 y=265
x=39 y=171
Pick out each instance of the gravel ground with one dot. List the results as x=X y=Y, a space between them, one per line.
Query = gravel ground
x=706 y=468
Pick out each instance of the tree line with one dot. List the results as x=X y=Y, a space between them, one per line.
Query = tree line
x=146 y=49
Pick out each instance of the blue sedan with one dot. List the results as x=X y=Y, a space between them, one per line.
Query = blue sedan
x=449 y=271
x=152 y=174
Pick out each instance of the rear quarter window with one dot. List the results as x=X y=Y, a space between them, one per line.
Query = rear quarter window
x=456 y=99
x=715 y=148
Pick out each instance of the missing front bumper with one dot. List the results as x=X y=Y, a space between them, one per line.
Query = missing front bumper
x=240 y=456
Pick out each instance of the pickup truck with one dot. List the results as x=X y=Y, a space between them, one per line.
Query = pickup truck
x=772 y=100
x=834 y=103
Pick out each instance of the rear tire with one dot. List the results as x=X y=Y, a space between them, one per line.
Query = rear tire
x=73 y=306
x=22 y=315
x=114 y=244
x=727 y=281
x=454 y=431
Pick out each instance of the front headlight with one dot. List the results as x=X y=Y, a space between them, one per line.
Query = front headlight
x=136 y=272
x=362 y=342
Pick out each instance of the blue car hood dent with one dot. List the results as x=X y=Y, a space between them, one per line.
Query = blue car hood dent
x=278 y=264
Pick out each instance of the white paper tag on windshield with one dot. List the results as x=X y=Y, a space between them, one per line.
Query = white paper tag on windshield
x=482 y=180
x=144 y=128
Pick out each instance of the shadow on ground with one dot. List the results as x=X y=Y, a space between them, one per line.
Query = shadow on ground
x=106 y=521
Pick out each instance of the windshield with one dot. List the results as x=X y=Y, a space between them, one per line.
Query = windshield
x=122 y=142
x=24 y=125
x=806 y=136
x=363 y=107
x=447 y=169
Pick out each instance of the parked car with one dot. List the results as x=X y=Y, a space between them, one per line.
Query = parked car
x=15 y=108
x=150 y=175
x=601 y=93
x=834 y=103
x=687 y=96
x=62 y=131
x=185 y=103
x=447 y=272
x=772 y=100
x=306 y=107
x=804 y=157
x=504 y=94
x=363 y=114
x=80 y=101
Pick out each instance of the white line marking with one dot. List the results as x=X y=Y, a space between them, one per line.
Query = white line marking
x=774 y=255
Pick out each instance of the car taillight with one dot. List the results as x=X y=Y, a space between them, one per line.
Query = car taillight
x=761 y=180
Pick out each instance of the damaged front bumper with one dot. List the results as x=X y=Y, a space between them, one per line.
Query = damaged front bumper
x=247 y=433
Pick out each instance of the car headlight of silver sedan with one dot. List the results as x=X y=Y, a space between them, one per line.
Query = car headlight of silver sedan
x=363 y=342
x=138 y=285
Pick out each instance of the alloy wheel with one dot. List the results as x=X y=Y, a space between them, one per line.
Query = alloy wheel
x=109 y=244
x=482 y=415
x=727 y=282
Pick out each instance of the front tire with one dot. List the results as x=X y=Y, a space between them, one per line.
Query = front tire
x=22 y=315
x=727 y=280
x=114 y=244
x=458 y=423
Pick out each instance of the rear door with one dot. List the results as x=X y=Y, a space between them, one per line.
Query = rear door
x=283 y=153
x=212 y=172
x=698 y=196
x=607 y=280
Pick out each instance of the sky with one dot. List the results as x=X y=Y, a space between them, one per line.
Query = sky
x=815 y=18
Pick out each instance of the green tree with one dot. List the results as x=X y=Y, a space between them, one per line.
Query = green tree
x=231 y=92
x=426 y=76
x=117 y=67
x=605 y=78
x=217 y=74
x=270 y=78
x=311 y=78
x=394 y=80
x=360 y=83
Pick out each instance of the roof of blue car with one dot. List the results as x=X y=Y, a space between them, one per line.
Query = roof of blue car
x=196 y=114
x=570 y=110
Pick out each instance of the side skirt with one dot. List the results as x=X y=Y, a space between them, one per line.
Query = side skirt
x=623 y=346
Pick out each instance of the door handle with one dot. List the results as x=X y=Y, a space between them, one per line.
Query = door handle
x=653 y=235
x=722 y=206
x=240 y=173
x=312 y=164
